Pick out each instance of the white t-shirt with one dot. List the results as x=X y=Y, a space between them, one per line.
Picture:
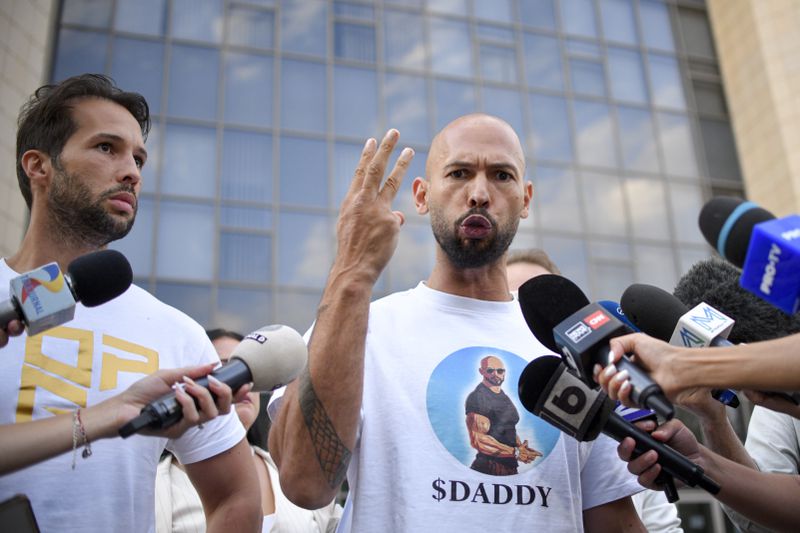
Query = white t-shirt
x=411 y=467
x=83 y=362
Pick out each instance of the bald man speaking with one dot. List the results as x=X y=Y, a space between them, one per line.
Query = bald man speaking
x=382 y=401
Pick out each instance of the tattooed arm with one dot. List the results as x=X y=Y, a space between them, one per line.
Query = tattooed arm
x=314 y=432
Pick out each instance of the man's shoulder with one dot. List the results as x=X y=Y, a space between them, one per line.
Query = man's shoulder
x=141 y=305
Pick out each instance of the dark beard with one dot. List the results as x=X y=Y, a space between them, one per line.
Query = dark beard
x=77 y=219
x=469 y=253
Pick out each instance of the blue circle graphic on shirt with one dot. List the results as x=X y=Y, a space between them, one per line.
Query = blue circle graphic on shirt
x=455 y=378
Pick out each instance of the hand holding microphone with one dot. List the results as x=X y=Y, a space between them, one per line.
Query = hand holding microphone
x=269 y=358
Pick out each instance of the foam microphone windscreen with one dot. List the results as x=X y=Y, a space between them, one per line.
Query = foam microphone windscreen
x=274 y=354
x=97 y=277
x=727 y=223
x=716 y=283
x=546 y=300
x=652 y=309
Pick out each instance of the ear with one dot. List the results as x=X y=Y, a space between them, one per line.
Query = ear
x=527 y=199
x=419 y=189
x=38 y=167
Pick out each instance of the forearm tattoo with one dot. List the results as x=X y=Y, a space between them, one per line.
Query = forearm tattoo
x=332 y=454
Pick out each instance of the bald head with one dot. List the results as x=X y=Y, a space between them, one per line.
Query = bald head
x=474 y=127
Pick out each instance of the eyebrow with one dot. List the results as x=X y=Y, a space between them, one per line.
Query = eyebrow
x=139 y=150
x=503 y=165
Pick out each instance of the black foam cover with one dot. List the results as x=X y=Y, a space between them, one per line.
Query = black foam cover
x=652 y=309
x=98 y=277
x=713 y=216
x=547 y=300
x=534 y=379
x=716 y=283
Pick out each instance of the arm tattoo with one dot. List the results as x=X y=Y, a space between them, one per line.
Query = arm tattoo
x=332 y=454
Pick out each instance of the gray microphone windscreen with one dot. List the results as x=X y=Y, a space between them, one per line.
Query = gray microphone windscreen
x=274 y=354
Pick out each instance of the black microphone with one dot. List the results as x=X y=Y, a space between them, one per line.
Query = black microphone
x=269 y=357
x=548 y=389
x=45 y=298
x=561 y=317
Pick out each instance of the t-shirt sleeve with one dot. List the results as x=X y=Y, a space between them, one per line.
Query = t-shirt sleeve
x=217 y=435
x=772 y=441
x=604 y=476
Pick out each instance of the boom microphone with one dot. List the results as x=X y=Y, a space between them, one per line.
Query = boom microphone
x=765 y=247
x=269 y=357
x=561 y=317
x=45 y=298
x=550 y=391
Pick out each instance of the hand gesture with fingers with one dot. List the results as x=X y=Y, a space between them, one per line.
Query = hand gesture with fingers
x=368 y=229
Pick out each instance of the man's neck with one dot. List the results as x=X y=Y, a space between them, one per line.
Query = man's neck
x=487 y=283
x=41 y=246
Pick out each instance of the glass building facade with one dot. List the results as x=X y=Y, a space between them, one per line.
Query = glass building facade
x=260 y=110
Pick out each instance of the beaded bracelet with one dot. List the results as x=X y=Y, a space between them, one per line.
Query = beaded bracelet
x=79 y=430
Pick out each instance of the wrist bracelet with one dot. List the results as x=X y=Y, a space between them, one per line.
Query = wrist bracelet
x=79 y=431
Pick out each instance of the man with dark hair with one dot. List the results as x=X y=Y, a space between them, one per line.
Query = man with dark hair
x=80 y=152
x=386 y=380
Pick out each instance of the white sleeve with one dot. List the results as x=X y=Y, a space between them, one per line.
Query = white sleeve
x=657 y=513
x=772 y=441
x=604 y=476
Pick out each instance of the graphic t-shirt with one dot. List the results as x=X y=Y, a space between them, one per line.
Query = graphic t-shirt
x=97 y=355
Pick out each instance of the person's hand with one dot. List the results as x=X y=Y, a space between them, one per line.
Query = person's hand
x=13 y=329
x=527 y=454
x=774 y=401
x=673 y=433
x=129 y=403
x=368 y=230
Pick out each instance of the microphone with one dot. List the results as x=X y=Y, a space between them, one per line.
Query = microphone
x=561 y=317
x=550 y=391
x=764 y=247
x=269 y=357
x=45 y=298
x=663 y=316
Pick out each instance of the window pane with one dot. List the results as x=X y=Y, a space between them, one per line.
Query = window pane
x=551 y=136
x=137 y=246
x=709 y=98
x=251 y=27
x=245 y=257
x=570 y=256
x=656 y=26
x=687 y=201
x=185 y=235
x=677 y=144
x=491 y=33
x=243 y=310
x=538 y=13
x=141 y=16
x=507 y=105
x=94 y=13
x=194 y=300
x=639 y=148
x=150 y=170
x=655 y=266
x=79 y=52
x=604 y=204
x=696 y=33
x=304 y=26
x=258 y=218
x=626 y=75
x=414 y=258
x=193 y=79
x=456 y=7
x=404 y=39
x=199 y=20
x=355 y=102
x=496 y=10
x=304 y=249
x=665 y=79
x=248 y=89
x=556 y=198
x=138 y=66
x=498 y=63
x=247 y=166
x=647 y=202
x=611 y=280
x=577 y=17
x=354 y=41
x=190 y=162
x=453 y=99
x=595 y=133
x=588 y=77
x=543 y=62
x=406 y=107
x=720 y=149
x=298 y=308
x=345 y=160
x=619 y=23
x=303 y=96
x=450 y=47
x=304 y=172
x=353 y=11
